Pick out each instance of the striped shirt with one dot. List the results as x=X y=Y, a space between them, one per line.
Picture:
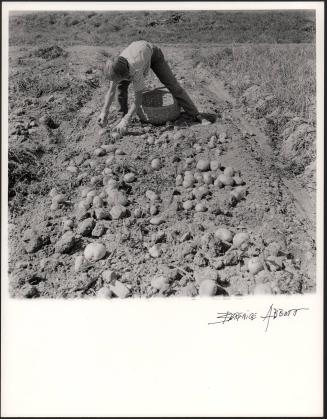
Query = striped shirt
x=138 y=54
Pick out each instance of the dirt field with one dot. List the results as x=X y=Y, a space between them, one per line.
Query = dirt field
x=154 y=246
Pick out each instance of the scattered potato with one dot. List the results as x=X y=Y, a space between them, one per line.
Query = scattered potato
x=215 y=165
x=255 y=265
x=97 y=202
x=200 y=207
x=129 y=177
x=104 y=292
x=226 y=180
x=179 y=180
x=188 y=181
x=115 y=135
x=208 y=288
x=152 y=196
x=156 y=164
x=207 y=178
x=188 y=205
x=224 y=234
x=156 y=221
x=240 y=238
x=160 y=282
x=203 y=165
x=229 y=171
x=98 y=152
x=94 y=252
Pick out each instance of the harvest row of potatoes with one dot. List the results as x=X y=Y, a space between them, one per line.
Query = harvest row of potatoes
x=106 y=200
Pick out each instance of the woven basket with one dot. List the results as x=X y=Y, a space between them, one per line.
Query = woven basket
x=159 y=106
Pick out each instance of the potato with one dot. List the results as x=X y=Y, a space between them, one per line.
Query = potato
x=109 y=276
x=68 y=225
x=115 y=135
x=137 y=213
x=156 y=221
x=156 y=164
x=226 y=180
x=154 y=251
x=112 y=184
x=97 y=202
x=218 y=183
x=79 y=261
x=229 y=171
x=238 y=180
x=199 y=178
x=119 y=152
x=160 y=282
x=240 y=238
x=203 y=165
x=115 y=197
x=72 y=169
x=208 y=288
x=152 y=196
x=215 y=165
x=239 y=193
x=188 y=181
x=107 y=171
x=94 y=252
x=98 y=152
x=255 y=265
x=207 y=178
x=153 y=210
x=104 y=292
x=150 y=140
x=200 y=192
x=54 y=206
x=129 y=177
x=188 y=205
x=224 y=234
x=179 y=180
x=200 y=207
x=117 y=212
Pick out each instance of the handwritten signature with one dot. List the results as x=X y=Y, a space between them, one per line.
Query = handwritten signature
x=273 y=313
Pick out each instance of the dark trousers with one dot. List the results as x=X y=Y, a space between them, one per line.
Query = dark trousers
x=162 y=70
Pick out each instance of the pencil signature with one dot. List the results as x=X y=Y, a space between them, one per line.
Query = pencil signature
x=272 y=314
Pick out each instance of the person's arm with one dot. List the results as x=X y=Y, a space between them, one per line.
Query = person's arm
x=136 y=106
x=110 y=95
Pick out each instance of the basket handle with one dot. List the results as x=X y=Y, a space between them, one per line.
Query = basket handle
x=158 y=89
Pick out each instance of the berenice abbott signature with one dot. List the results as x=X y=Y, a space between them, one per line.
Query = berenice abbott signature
x=272 y=313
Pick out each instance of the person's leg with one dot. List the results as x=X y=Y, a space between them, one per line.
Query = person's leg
x=122 y=96
x=162 y=70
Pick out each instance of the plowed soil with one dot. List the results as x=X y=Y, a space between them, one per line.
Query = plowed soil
x=276 y=211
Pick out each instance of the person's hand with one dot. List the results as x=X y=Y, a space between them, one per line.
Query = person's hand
x=121 y=127
x=102 y=119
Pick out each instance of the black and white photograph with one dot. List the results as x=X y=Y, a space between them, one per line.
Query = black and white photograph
x=162 y=208
x=161 y=154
